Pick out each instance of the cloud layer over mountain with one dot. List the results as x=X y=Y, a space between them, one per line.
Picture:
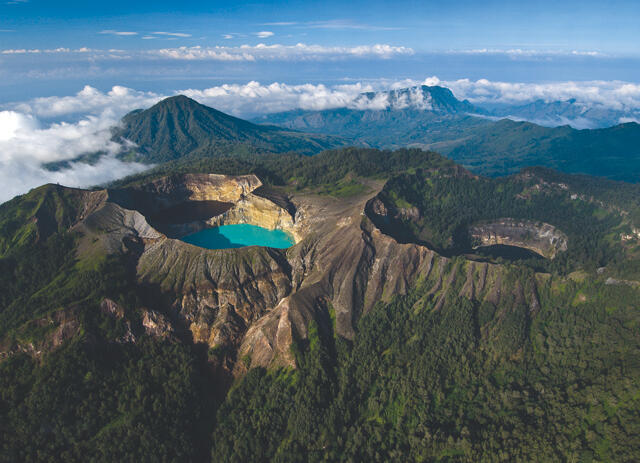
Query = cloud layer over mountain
x=52 y=129
x=255 y=98
x=26 y=143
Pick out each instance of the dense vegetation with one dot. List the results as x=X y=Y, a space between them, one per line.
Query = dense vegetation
x=303 y=172
x=484 y=146
x=466 y=382
x=99 y=401
x=447 y=205
x=507 y=146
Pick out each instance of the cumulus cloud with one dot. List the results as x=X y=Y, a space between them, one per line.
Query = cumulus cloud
x=24 y=51
x=116 y=102
x=259 y=52
x=254 y=98
x=609 y=94
x=25 y=144
x=264 y=34
x=262 y=51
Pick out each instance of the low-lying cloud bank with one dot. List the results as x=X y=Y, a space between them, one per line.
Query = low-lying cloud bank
x=26 y=143
x=31 y=132
x=245 y=100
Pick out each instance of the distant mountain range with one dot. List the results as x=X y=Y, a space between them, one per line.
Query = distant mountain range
x=569 y=112
x=432 y=118
x=506 y=146
x=424 y=117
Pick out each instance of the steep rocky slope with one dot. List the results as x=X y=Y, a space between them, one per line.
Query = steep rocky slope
x=251 y=303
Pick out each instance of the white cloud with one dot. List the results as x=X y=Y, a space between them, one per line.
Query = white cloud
x=280 y=23
x=118 y=101
x=122 y=33
x=172 y=34
x=608 y=94
x=526 y=52
x=24 y=51
x=299 y=51
x=254 y=98
x=18 y=177
x=264 y=34
x=25 y=145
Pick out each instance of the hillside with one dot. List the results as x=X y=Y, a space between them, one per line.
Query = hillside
x=181 y=127
x=396 y=328
x=506 y=146
x=485 y=146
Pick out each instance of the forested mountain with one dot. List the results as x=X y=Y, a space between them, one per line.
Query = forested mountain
x=401 y=326
x=389 y=119
x=481 y=144
x=179 y=126
x=506 y=146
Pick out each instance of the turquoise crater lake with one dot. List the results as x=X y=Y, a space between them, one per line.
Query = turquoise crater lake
x=238 y=236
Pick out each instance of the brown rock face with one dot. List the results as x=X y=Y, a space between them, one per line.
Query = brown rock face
x=249 y=304
x=155 y=324
x=539 y=237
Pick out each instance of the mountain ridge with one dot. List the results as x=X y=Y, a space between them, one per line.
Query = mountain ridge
x=179 y=126
x=477 y=140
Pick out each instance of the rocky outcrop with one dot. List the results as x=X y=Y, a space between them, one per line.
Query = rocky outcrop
x=42 y=335
x=160 y=202
x=538 y=237
x=255 y=210
x=157 y=325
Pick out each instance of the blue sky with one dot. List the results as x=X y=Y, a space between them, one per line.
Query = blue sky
x=70 y=70
x=609 y=27
x=50 y=47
